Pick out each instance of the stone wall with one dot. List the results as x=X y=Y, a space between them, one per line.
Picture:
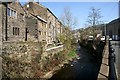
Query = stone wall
x=12 y=21
x=36 y=9
x=0 y=41
x=0 y=28
x=53 y=50
x=3 y=9
x=29 y=59
x=32 y=26
x=20 y=59
x=18 y=21
x=51 y=22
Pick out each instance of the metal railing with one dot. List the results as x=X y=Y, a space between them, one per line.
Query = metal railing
x=112 y=71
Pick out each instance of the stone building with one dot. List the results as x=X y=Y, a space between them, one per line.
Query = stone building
x=59 y=28
x=31 y=22
x=48 y=24
x=51 y=22
x=13 y=22
x=54 y=27
x=36 y=22
x=113 y=29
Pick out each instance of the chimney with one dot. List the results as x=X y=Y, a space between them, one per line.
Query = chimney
x=37 y=2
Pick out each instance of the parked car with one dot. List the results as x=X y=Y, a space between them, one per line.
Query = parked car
x=110 y=39
x=90 y=38
x=103 y=38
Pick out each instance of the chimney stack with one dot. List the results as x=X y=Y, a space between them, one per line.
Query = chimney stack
x=38 y=1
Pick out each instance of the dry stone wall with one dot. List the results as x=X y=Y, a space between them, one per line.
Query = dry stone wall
x=28 y=59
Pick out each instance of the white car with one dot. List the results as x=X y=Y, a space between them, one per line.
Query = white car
x=110 y=39
x=90 y=38
x=102 y=38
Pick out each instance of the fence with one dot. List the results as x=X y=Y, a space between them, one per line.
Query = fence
x=112 y=71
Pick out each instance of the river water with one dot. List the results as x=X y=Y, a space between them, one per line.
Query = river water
x=85 y=68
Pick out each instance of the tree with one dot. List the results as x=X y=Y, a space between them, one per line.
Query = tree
x=94 y=17
x=67 y=18
x=69 y=23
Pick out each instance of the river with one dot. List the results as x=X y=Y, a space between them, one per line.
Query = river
x=85 y=68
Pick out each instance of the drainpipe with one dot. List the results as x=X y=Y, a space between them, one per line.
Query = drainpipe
x=5 y=4
x=105 y=33
x=6 y=37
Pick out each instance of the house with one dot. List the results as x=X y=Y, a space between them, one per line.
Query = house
x=13 y=22
x=51 y=22
x=59 y=28
x=36 y=22
x=48 y=25
x=31 y=22
x=54 y=27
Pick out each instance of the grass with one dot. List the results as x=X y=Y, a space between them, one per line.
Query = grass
x=72 y=54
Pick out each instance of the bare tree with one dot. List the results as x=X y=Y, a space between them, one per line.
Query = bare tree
x=69 y=23
x=67 y=18
x=94 y=17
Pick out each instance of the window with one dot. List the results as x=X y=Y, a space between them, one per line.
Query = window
x=50 y=25
x=9 y=12
x=15 y=14
x=16 y=31
x=44 y=33
x=12 y=13
x=21 y=16
x=40 y=32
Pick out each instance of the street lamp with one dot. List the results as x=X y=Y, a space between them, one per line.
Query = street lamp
x=105 y=32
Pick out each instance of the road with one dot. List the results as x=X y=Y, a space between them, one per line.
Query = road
x=85 y=68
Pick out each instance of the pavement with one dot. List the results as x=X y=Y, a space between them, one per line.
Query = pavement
x=116 y=46
x=104 y=69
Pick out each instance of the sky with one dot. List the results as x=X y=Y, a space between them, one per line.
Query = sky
x=80 y=10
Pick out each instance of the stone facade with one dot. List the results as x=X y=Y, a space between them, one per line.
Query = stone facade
x=36 y=9
x=0 y=28
x=54 y=27
x=13 y=22
x=37 y=25
x=59 y=28
x=37 y=28
x=31 y=22
x=49 y=27
x=51 y=22
x=113 y=29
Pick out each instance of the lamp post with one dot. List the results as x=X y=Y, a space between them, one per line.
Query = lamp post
x=105 y=32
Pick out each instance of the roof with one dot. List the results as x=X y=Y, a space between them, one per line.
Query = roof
x=114 y=21
x=52 y=13
x=38 y=17
x=36 y=9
